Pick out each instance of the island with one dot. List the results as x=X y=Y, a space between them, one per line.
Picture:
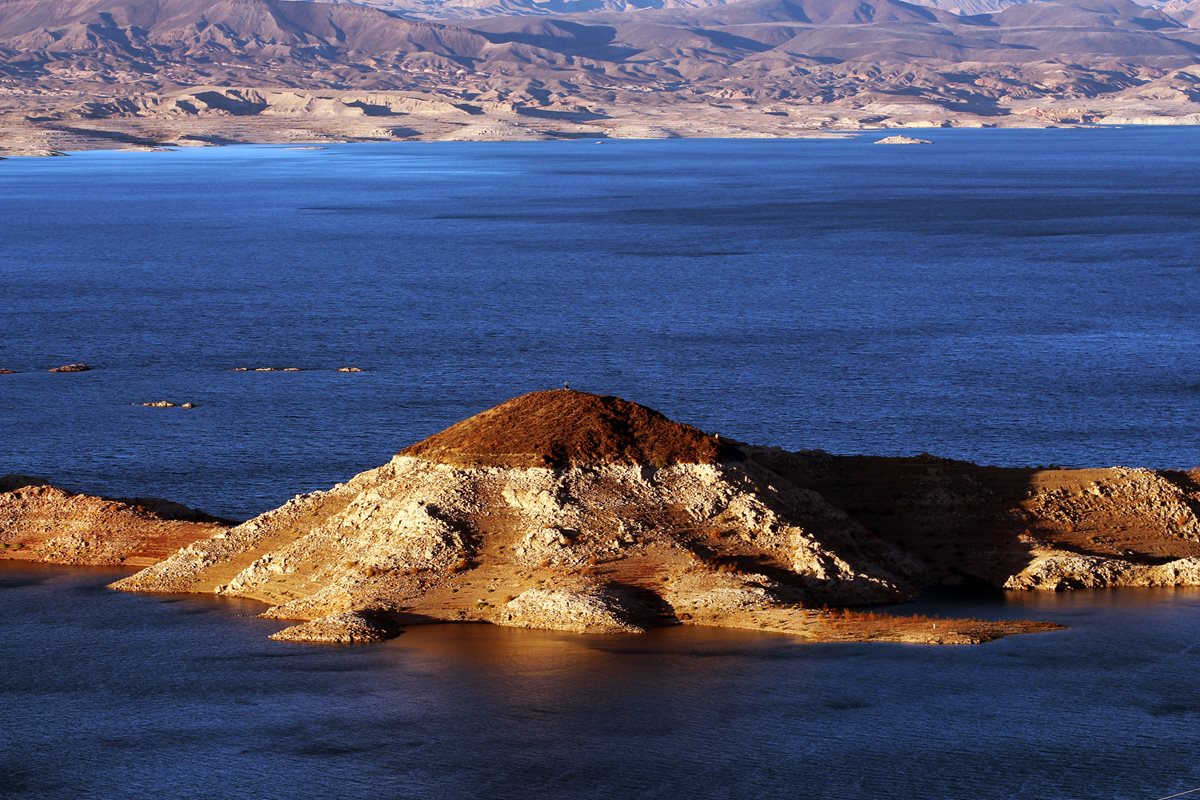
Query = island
x=579 y=512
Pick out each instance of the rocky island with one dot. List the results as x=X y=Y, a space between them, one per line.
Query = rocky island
x=902 y=140
x=42 y=522
x=579 y=512
x=572 y=511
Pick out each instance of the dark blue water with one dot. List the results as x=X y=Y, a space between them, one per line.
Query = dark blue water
x=106 y=695
x=1016 y=297
x=1007 y=297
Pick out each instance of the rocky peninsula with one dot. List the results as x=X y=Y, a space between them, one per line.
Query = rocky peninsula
x=42 y=522
x=578 y=512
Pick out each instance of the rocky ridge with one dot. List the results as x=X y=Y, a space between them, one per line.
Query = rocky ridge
x=577 y=512
x=41 y=522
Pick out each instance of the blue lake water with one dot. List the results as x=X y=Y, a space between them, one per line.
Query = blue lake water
x=108 y=695
x=1015 y=297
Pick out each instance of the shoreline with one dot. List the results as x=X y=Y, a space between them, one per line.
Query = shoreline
x=34 y=141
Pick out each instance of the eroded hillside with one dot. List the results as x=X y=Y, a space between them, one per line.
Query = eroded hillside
x=579 y=512
x=151 y=73
x=41 y=522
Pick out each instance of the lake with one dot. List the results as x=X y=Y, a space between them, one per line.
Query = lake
x=1009 y=297
x=113 y=695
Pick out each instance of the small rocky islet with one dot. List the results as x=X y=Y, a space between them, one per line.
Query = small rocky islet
x=578 y=512
x=46 y=523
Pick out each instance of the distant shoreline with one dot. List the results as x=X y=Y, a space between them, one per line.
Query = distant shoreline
x=112 y=141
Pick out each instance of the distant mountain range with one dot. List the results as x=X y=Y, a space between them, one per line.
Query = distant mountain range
x=146 y=72
x=475 y=9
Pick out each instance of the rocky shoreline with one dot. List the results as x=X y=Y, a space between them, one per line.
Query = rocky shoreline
x=180 y=73
x=569 y=511
x=22 y=139
x=45 y=523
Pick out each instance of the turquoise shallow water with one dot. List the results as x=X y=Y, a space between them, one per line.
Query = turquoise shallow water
x=1017 y=297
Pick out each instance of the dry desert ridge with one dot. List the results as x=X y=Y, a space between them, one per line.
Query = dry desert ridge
x=151 y=74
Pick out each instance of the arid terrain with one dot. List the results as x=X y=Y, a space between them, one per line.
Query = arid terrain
x=82 y=74
x=41 y=522
x=579 y=512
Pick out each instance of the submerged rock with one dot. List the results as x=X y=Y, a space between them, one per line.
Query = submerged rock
x=266 y=369
x=80 y=367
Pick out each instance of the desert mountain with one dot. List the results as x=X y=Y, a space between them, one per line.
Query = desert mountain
x=580 y=512
x=1186 y=11
x=158 y=71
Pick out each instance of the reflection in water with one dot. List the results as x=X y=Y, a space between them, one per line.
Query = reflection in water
x=158 y=696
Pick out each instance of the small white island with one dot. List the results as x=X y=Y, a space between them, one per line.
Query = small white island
x=902 y=140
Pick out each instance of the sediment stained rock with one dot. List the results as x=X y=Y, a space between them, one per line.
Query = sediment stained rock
x=347 y=627
x=577 y=512
x=1059 y=571
x=40 y=522
x=1017 y=528
x=579 y=609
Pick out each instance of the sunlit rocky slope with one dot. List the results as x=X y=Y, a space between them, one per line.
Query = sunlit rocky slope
x=41 y=522
x=578 y=512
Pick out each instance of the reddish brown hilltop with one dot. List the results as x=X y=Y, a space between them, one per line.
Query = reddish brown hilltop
x=563 y=428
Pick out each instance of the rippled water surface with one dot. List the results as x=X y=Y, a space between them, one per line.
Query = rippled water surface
x=111 y=695
x=1016 y=297
x=1008 y=297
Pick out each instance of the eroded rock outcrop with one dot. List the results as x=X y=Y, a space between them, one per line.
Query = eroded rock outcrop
x=526 y=499
x=1018 y=528
x=346 y=627
x=40 y=522
x=572 y=511
x=579 y=609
